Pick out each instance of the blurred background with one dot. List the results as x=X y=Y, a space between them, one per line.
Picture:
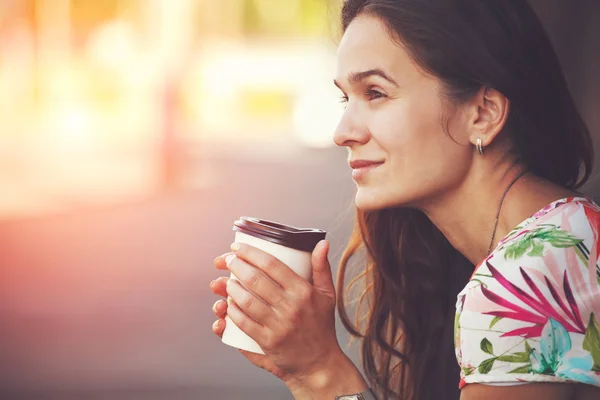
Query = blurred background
x=133 y=133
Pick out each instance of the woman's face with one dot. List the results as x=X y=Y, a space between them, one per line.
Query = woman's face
x=393 y=124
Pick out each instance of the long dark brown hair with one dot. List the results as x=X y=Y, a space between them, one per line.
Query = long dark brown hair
x=413 y=273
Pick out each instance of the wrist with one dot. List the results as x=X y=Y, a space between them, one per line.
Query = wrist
x=335 y=377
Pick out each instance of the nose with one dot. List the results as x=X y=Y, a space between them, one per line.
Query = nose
x=350 y=130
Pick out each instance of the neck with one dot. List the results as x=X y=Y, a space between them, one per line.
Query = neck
x=467 y=214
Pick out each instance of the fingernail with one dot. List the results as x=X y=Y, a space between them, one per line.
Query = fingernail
x=215 y=306
x=229 y=259
x=211 y=284
x=216 y=259
x=216 y=324
x=235 y=247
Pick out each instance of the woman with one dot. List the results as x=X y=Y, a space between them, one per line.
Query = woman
x=467 y=151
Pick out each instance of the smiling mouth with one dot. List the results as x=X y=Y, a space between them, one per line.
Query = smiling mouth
x=356 y=164
x=360 y=168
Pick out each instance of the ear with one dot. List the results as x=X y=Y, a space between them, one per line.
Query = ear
x=490 y=112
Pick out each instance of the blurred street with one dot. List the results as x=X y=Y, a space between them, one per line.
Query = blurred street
x=127 y=312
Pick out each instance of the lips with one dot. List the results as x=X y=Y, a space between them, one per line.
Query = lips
x=357 y=164
x=362 y=167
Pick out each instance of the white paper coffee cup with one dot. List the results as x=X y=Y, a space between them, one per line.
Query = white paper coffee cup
x=292 y=246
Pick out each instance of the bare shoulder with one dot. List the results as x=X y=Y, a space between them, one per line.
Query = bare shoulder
x=547 y=391
x=587 y=392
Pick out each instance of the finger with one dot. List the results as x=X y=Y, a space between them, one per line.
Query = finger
x=218 y=286
x=280 y=273
x=246 y=324
x=249 y=303
x=220 y=308
x=218 y=327
x=322 y=275
x=255 y=280
x=219 y=262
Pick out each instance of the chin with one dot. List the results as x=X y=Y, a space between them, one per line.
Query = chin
x=375 y=200
x=369 y=201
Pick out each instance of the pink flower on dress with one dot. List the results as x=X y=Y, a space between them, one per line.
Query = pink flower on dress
x=543 y=308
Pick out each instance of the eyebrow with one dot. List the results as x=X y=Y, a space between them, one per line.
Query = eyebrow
x=356 y=77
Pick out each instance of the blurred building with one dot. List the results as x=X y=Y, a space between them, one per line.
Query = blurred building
x=113 y=100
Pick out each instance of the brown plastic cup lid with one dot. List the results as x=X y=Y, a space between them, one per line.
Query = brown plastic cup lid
x=285 y=235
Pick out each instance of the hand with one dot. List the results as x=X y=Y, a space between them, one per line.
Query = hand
x=218 y=286
x=292 y=320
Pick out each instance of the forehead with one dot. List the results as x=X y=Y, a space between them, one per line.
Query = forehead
x=367 y=44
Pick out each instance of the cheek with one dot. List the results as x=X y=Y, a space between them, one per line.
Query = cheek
x=423 y=159
x=411 y=133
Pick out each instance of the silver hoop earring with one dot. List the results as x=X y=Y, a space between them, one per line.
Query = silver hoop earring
x=479 y=145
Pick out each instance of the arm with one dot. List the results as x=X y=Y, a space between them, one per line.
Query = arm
x=546 y=391
x=340 y=377
x=531 y=391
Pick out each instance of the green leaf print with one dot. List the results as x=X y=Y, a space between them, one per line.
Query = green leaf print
x=486 y=346
x=468 y=370
x=480 y=282
x=517 y=249
x=521 y=370
x=486 y=365
x=519 y=357
x=561 y=239
x=537 y=251
x=494 y=322
x=591 y=342
x=535 y=240
x=457 y=330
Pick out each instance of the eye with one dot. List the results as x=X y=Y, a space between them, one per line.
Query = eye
x=373 y=94
x=343 y=99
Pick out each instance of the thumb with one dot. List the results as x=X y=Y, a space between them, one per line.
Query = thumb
x=322 y=275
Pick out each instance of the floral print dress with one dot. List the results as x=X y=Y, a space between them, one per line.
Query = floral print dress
x=531 y=310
